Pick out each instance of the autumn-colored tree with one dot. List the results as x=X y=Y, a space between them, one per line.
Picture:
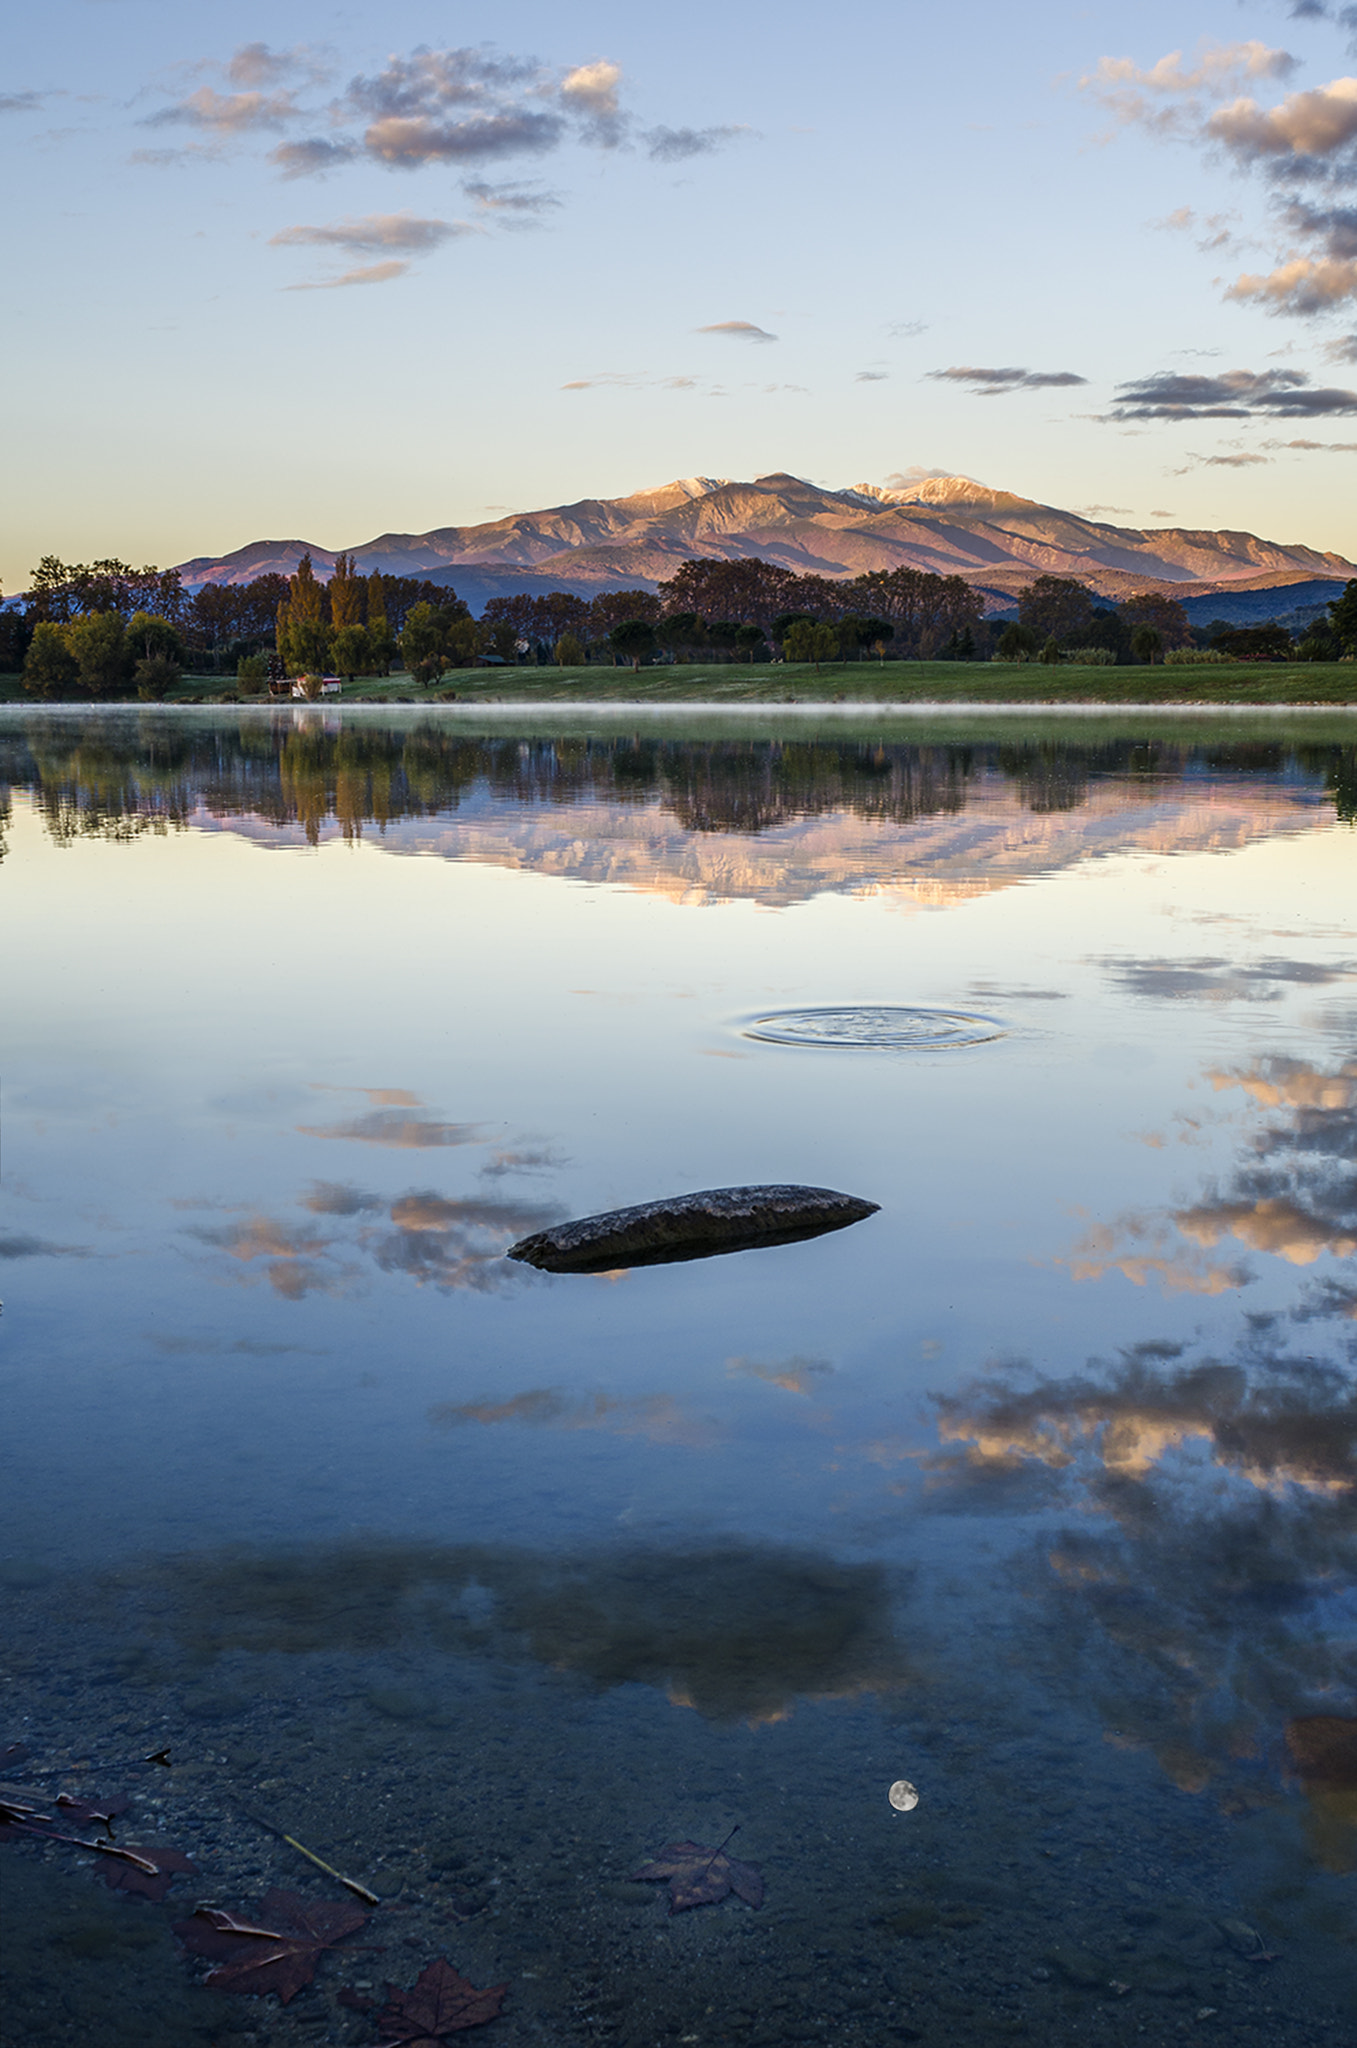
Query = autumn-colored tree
x=347 y=592
x=747 y=590
x=611 y=607
x=569 y=652
x=560 y=611
x=60 y=591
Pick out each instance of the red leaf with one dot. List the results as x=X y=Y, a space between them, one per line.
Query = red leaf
x=697 y=1876
x=121 y=1876
x=279 y=1952
x=438 y=2004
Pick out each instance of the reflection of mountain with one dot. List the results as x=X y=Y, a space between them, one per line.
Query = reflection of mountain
x=699 y=820
x=949 y=525
x=739 y=1632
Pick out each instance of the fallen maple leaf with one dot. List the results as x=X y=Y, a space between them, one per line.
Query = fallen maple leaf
x=698 y=1876
x=123 y=1876
x=438 y=2004
x=279 y=1952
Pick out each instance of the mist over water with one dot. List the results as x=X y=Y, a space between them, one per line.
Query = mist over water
x=1034 y=1490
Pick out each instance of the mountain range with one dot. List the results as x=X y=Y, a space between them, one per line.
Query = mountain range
x=952 y=526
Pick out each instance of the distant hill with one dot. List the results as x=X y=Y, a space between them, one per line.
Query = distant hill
x=950 y=525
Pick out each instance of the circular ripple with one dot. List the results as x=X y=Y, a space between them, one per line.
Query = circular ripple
x=896 y=1030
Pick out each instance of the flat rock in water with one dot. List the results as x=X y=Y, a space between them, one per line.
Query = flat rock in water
x=690 y=1227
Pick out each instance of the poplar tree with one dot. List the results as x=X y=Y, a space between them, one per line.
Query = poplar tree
x=303 y=636
x=346 y=593
x=381 y=642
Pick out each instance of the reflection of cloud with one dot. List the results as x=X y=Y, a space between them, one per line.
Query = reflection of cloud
x=1142 y=1248
x=522 y=1159
x=453 y=1244
x=16 y=1245
x=336 y=1198
x=1220 y=980
x=656 y=1416
x=1292 y=1084
x=1197 y=1611
x=207 y=1347
x=294 y=1254
x=404 y=1133
x=796 y=1375
x=1273 y=1225
x=739 y=1632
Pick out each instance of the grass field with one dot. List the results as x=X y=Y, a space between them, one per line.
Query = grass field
x=885 y=683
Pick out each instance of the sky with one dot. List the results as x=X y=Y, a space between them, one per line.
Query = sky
x=298 y=271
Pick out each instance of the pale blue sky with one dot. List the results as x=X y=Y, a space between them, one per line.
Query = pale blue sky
x=534 y=249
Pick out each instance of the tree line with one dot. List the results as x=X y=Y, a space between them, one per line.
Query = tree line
x=97 y=629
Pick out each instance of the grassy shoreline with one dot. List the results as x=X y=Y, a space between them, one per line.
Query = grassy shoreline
x=882 y=685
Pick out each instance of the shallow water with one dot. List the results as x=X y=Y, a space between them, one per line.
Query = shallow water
x=1034 y=1489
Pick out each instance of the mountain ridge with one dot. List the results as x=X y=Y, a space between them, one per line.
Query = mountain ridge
x=995 y=539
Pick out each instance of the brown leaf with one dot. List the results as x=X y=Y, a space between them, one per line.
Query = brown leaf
x=80 y=1812
x=438 y=2004
x=278 y=1952
x=121 y=1876
x=697 y=1876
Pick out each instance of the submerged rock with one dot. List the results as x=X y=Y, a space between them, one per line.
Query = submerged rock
x=690 y=1227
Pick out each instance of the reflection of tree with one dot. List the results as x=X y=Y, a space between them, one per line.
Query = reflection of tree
x=738 y=1632
x=112 y=776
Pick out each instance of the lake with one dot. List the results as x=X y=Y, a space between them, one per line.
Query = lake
x=1034 y=1490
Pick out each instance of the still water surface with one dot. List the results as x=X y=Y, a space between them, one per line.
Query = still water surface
x=1034 y=1490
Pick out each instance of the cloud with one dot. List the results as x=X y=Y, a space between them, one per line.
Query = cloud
x=312 y=158
x=386 y=1127
x=1219 y=462
x=906 y=330
x=1098 y=511
x=408 y=144
x=1233 y=395
x=739 y=330
x=590 y=92
x=227 y=114
x=1168 y=96
x=405 y=231
x=1312 y=124
x=871 y=377
x=1316 y=447
x=513 y=205
x=1305 y=284
x=255 y=65
x=995 y=383
x=22 y=102
x=367 y=273
x=1277 y=1224
x=675 y=145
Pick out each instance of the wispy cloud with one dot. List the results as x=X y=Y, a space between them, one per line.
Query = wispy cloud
x=22 y=102
x=404 y=1133
x=512 y=205
x=365 y=273
x=676 y=145
x=986 y=383
x=404 y=231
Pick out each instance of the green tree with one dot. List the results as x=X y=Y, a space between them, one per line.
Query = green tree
x=682 y=633
x=810 y=640
x=1050 y=652
x=98 y=642
x=1016 y=643
x=149 y=635
x=1146 y=643
x=422 y=643
x=252 y=673
x=569 y=652
x=463 y=640
x=350 y=651
x=50 y=669
x=633 y=639
x=748 y=641
x=155 y=675
x=1343 y=618
x=303 y=635
x=1056 y=608
x=381 y=640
